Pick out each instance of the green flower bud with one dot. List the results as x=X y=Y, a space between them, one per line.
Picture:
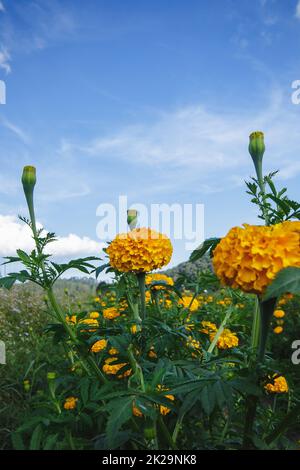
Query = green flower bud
x=132 y=216
x=51 y=375
x=29 y=178
x=256 y=145
x=257 y=150
x=26 y=385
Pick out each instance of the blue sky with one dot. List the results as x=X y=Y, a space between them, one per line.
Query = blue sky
x=153 y=100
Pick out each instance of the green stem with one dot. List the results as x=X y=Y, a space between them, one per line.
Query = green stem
x=219 y=332
x=166 y=433
x=266 y=311
x=141 y=280
x=255 y=326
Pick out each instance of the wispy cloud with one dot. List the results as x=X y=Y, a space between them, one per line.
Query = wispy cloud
x=20 y=133
x=5 y=60
x=196 y=144
x=297 y=13
x=2 y=8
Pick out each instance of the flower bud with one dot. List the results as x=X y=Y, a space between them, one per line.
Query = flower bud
x=28 y=178
x=51 y=375
x=132 y=216
x=256 y=146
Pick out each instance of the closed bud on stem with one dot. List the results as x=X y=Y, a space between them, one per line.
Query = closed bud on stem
x=257 y=150
x=29 y=178
x=132 y=218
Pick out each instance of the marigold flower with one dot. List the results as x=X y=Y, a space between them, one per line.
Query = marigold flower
x=189 y=302
x=193 y=343
x=94 y=315
x=111 y=313
x=208 y=327
x=111 y=367
x=279 y=313
x=249 y=258
x=226 y=340
x=90 y=322
x=70 y=403
x=71 y=319
x=279 y=385
x=136 y=411
x=277 y=330
x=152 y=354
x=113 y=351
x=164 y=410
x=99 y=345
x=141 y=250
x=156 y=277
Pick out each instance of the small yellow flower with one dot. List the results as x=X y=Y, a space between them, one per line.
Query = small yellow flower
x=279 y=385
x=152 y=354
x=70 y=403
x=193 y=343
x=189 y=303
x=156 y=277
x=111 y=366
x=99 y=345
x=71 y=319
x=110 y=313
x=133 y=329
x=277 y=330
x=208 y=327
x=90 y=322
x=164 y=410
x=136 y=411
x=94 y=315
x=279 y=313
x=113 y=351
x=226 y=340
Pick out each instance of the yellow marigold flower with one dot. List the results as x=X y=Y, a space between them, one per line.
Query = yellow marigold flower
x=111 y=367
x=152 y=354
x=249 y=258
x=279 y=313
x=208 y=327
x=239 y=305
x=113 y=351
x=164 y=410
x=279 y=385
x=227 y=339
x=70 y=403
x=71 y=319
x=99 y=345
x=193 y=343
x=94 y=315
x=125 y=374
x=141 y=250
x=209 y=299
x=156 y=277
x=136 y=411
x=90 y=322
x=110 y=313
x=278 y=329
x=188 y=302
x=96 y=299
x=133 y=329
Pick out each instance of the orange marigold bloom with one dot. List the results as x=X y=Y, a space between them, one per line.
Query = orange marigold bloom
x=70 y=403
x=279 y=313
x=279 y=385
x=156 y=277
x=99 y=345
x=226 y=340
x=111 y=313
x=188 y=302
x=141 y=250
x=249 y=258
x=278 y=329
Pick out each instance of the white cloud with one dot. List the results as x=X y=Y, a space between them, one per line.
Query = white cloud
x=297 y=14
x=14 y=234
x=196 y=145
x=1 y=6
x=4 y=60
x=20 y=133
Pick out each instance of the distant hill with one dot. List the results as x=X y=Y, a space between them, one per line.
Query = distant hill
x=190 y=269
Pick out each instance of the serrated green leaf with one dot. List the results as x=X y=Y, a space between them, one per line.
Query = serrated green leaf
x=287 y=280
